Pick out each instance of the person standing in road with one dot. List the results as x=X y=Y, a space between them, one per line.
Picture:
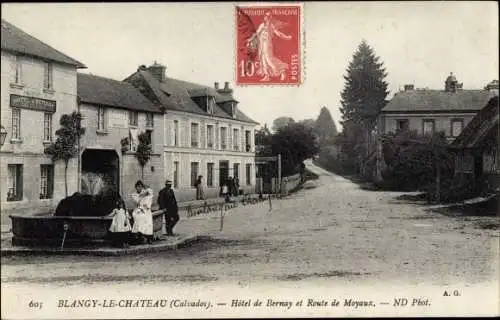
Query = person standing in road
x=168 y=204
x=199 y=188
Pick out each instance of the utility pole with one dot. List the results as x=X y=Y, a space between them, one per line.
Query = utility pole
x=279 y=172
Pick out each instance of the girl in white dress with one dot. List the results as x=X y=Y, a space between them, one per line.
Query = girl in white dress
x=120 y=226
x=142 y=215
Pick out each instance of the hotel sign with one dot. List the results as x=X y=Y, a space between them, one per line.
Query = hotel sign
x=31 y=103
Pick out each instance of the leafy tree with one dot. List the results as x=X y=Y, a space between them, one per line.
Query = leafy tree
x=281 y=122
x=66 y=145
x=325 y=127
x=308 y=123
x=144 y=150
x=415 y=161
x=296 y=143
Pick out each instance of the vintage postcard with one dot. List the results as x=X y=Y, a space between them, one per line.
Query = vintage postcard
x=249 y=159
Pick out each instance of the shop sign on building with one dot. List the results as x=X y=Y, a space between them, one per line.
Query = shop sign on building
x=32 y=103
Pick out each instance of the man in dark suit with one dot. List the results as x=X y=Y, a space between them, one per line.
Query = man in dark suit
x=168 y=203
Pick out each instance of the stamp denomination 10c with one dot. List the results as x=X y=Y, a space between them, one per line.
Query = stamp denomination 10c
x=268 y=44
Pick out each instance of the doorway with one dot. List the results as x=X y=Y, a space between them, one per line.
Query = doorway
x=223 y=172
x=100 y=171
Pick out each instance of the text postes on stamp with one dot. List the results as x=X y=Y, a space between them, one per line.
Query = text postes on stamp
x=268 y=44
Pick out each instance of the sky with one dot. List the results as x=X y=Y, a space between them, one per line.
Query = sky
x=420 y=43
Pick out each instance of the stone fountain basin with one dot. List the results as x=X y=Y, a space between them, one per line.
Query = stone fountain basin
x=49 y=230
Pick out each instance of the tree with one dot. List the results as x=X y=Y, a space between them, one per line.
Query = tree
x=144 y=151
x=296 y=143
x=308 y=123
x=365 y=89
x=362 y=98
x=281 y=122
x=325 y=127
x=66 y=145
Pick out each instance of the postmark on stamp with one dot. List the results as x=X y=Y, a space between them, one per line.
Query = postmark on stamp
x=268 y=45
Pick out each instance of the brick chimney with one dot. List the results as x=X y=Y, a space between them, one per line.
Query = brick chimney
x=216 y=85
x=158 y=71
x=226 y=89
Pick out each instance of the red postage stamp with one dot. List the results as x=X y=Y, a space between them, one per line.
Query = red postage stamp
x=268 y=42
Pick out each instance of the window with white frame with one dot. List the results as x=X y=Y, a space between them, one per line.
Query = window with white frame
x=194 y=173
x=210 y=175
x=47 y=126
x=176 y=174
x=248 y=145
x=457 y=126
x=211 y=104
x=210 y=136
x=195 y=143
x=47 y=75
x=223 y=138
x=150 y=119
x=176 y=133
x=18 y=71
x=429 y=126
x=101 y=119
x=15 y=182
x=16 y=124
x=236 y=139
x=46 y=181
x=133 y=118
x=249 y=174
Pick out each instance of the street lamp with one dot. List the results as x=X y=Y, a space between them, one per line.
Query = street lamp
x=3 y=135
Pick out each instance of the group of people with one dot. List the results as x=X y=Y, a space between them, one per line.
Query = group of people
x=230 y=188
x=137 y=227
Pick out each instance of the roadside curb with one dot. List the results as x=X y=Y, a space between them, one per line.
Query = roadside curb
x=139 y=249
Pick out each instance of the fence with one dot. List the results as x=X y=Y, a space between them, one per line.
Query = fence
x=287 y=184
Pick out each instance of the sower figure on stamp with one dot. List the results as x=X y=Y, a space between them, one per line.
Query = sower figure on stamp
x=270 y=65
x=168 y=203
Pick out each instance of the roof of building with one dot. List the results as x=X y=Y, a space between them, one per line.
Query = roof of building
x=176 y=95
x=480 y=126
x=112 y=93
x=424 y=100
x=16 y=40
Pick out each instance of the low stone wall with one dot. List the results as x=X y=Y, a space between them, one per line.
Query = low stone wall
x=217 y=206
x=290 y=183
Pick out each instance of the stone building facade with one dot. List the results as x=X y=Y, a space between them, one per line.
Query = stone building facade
x=431 y=111
x=114 y=115
x=206 y=133
x=38 y=85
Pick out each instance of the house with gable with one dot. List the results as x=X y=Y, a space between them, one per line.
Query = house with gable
x=206 y=132
x=114 y=114
x=429 y=111
x=38 y=87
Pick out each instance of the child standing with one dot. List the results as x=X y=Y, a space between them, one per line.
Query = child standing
x=120 y=226
x=225 y=192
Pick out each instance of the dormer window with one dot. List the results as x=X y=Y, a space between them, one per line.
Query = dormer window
x=210 y=104
x=233 y=110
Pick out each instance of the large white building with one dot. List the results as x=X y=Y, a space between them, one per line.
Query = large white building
x=38 y=86
x=206 y=133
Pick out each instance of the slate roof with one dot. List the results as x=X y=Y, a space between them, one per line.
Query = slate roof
x=438 y=101
x=112 y=93
x=175 y=94
x=482 y=123
x=18 y=41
